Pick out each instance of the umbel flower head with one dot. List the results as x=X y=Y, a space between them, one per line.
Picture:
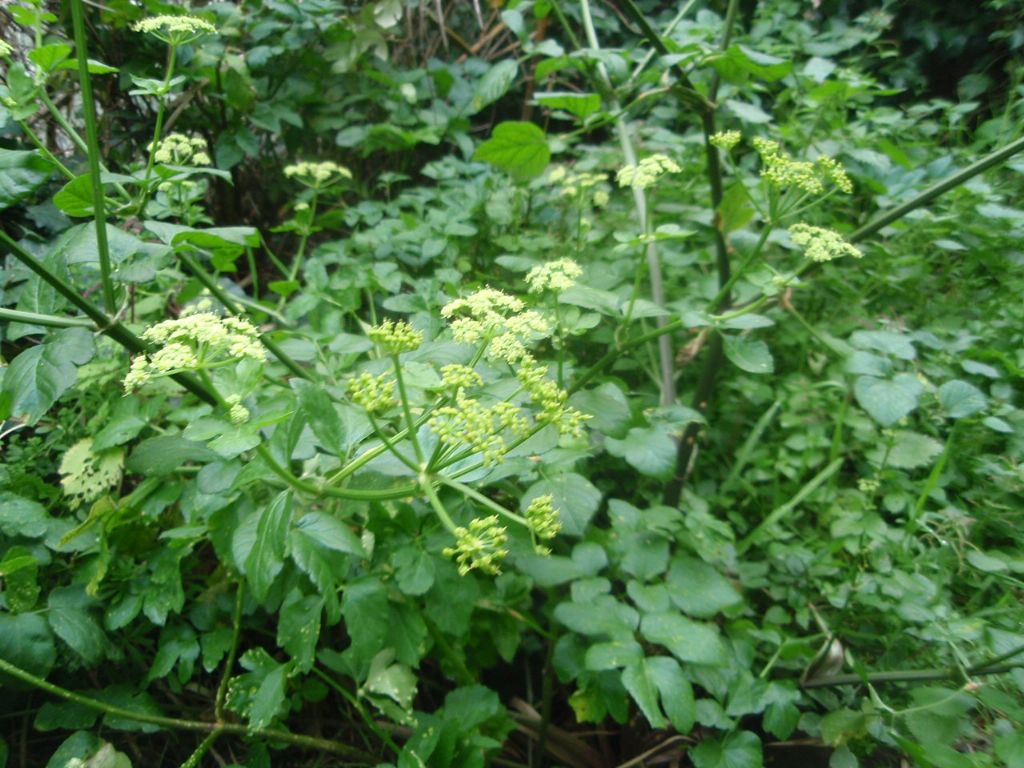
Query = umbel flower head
x=196 y=340
x=543 y=521
x=578 y=184
x=479 y=546
x=725 y=140
x=500 y=320
x=471 y=424
x=317 y=175
x=782 y=171
x=558 y=275
x=179 y=149
x=175 y=30
x=821 y=244
x=373 y=393
x=646 y=172
x=395 y=337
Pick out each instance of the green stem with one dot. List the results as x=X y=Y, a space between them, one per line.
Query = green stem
x=724 y=292
x=435 y=501
x=27 y=130
x=479 y=497
x=75 y=136
x=308 y=742
x=355 y=494
x=161 y=109
x=909 y=675
x=407 y=410
x=379 y=431
x=92 y=136
x=229 y=662
x=932 y=480
x=379 y=732
x=640 y=203
x=194 y=760
x=50 y=321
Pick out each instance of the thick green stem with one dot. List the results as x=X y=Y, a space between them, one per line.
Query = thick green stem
x=229 y=662
x=27 y=130
x=410 y=423
x=50 y=321
x=308 y=742
x=479 y=497
x=355 y=494
x=75 y=136
x=92 y=137
x=161 y=109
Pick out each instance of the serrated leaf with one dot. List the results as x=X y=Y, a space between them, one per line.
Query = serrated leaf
x=266 y=559
x=888 y=400
x=269 y=698
x=396 y=681
x=21 y=517
x=961 y=399
x=27 y=642
x=649 y=450
x=494 y=84
x=71 y=621
x=700 y=590
x=676 y=692
x=909 y=450
x=331 y=533
x=41 y=374
x=518 y=148
x=894 y=344
x=749 y=355
x=298 y=627
x=164 y=454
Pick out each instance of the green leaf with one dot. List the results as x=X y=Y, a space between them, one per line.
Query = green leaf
x=319 y=411
x=47 y=57
x=396 y=681
x=75 y=198
x=637 y=680
x=612 y=654
x=330 y=532
x=687 y=640
x=579 y=104
x=164 y=454
x=985 y=562
x=27 y=642
x=676 y=692
x=894 y=344
x=700 y=590
x=844 y=725
x=888 y=400
x=64 y=716
x=939 y=716
x=71 y=621
x=266 y=559
x=739 y=62
x=604 y=616
x=607 y=405
x=739 y=749
x=909 y=450
x=493 y=85
x=575 y=498
x=298 y=627
x=748 y=355
x=21 y=517
x=21 y=174
x=518 y=148
x=649 y=450
x=1010 y=749
x=40 y=375
x=747 y=112
x=414 y=570
x=269 y=699
x=961 y=399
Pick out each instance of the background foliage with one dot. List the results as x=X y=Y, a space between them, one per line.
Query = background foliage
x=790 y=525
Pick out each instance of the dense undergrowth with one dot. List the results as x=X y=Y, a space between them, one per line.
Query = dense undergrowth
x=523 y=384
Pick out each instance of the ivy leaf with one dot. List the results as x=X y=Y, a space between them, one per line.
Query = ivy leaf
x=40 y=375
x=266 y=559
x=518 y=148
x=961 y=399
x=21 y=174
x=739 y=749
x=888 y=400
x=748 y=355
x=574 y=496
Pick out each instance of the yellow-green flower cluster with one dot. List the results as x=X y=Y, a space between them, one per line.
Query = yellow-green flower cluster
x=395 y=337
x=237 y=413
x=543 y=521
x=576 y=185
x=821 y=244
x=550 y=399
x=195 y=340
x=725 y=140
x=472 y=424
x=374 y=393
x=646 y=172
x=179 y=149
x=5 y=48
x=317 y=175
x=175 y=30
x=500 y=320
x=558 y=275
x=782 y=171
x=479 y=546
x=456 y=376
